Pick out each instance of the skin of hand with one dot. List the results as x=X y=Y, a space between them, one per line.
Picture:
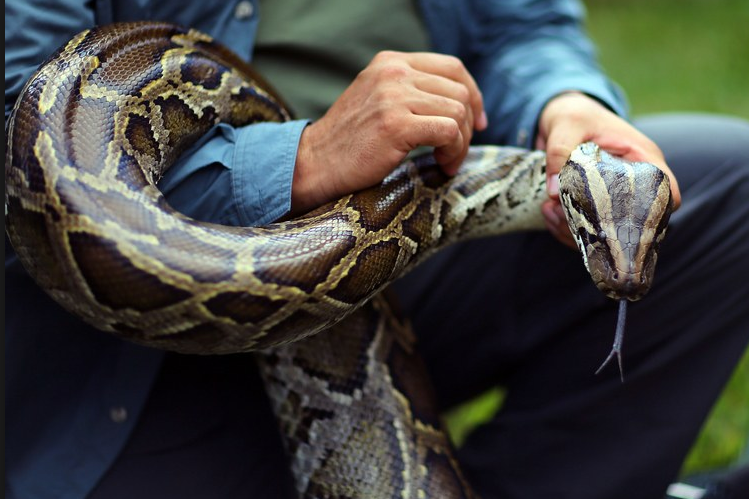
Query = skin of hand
x=398 y=102
x=572 y=118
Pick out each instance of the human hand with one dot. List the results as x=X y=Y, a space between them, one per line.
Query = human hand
x=572 y=118
x=398 y=102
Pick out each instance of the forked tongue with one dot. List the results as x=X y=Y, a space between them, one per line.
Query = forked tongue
x=616 y=350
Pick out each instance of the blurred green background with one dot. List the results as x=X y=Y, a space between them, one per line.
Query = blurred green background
x=672 y=55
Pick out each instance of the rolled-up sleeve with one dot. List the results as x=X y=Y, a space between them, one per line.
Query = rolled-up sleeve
x=237 y=176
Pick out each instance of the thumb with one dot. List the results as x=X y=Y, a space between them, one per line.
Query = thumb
x=559 y=146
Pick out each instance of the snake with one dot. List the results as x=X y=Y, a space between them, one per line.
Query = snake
x=99 y=123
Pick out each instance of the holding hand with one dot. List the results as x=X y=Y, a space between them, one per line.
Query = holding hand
x=398 y=102
x=572 y=118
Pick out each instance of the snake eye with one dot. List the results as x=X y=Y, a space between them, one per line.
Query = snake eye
x=602 y=235
x=593 y=238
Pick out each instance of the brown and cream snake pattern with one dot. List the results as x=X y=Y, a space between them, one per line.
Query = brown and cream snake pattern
x=101 y=120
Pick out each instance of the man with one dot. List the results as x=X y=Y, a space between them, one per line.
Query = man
x=96 y=417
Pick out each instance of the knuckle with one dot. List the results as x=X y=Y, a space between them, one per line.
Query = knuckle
x=384 y=55
x=392 y=72
x=458 y=111
x=389 y=122
x=453 y=64
x=450 y=130
x=463 y=94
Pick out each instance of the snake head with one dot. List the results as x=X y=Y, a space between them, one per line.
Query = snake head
x=618 y=213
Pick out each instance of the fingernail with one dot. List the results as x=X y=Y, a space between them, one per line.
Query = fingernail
x=483 y=121
x=552 y=185
x=450 y=169
x=550 y=214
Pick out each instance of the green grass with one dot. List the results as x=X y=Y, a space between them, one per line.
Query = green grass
x=671 y=55
x=676 y=54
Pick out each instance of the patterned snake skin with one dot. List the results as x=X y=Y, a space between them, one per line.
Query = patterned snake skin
x=104 y=117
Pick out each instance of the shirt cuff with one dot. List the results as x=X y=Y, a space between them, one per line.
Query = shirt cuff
x=600 y=89
x=236 y=176
x=263 y=169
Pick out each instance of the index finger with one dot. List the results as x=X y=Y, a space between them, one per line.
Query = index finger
x=451 y=67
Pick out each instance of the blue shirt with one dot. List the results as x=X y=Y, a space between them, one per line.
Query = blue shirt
x=73 y=394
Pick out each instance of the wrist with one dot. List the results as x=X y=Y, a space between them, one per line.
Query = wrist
x=307 y=187
x=563 y=102
x=570 y=104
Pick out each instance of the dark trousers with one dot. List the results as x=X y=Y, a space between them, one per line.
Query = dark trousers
x=521 y=312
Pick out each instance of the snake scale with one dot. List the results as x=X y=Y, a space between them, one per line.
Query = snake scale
x=102 y=119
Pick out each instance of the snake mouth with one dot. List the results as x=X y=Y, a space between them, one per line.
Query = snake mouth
x=625 y=286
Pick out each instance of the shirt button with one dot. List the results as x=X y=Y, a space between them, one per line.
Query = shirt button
x=118 y=414
x=522 y=136
x=244 y=10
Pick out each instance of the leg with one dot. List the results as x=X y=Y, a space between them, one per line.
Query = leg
x=521 y=311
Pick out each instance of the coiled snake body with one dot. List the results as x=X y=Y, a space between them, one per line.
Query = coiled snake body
x=97 y=126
